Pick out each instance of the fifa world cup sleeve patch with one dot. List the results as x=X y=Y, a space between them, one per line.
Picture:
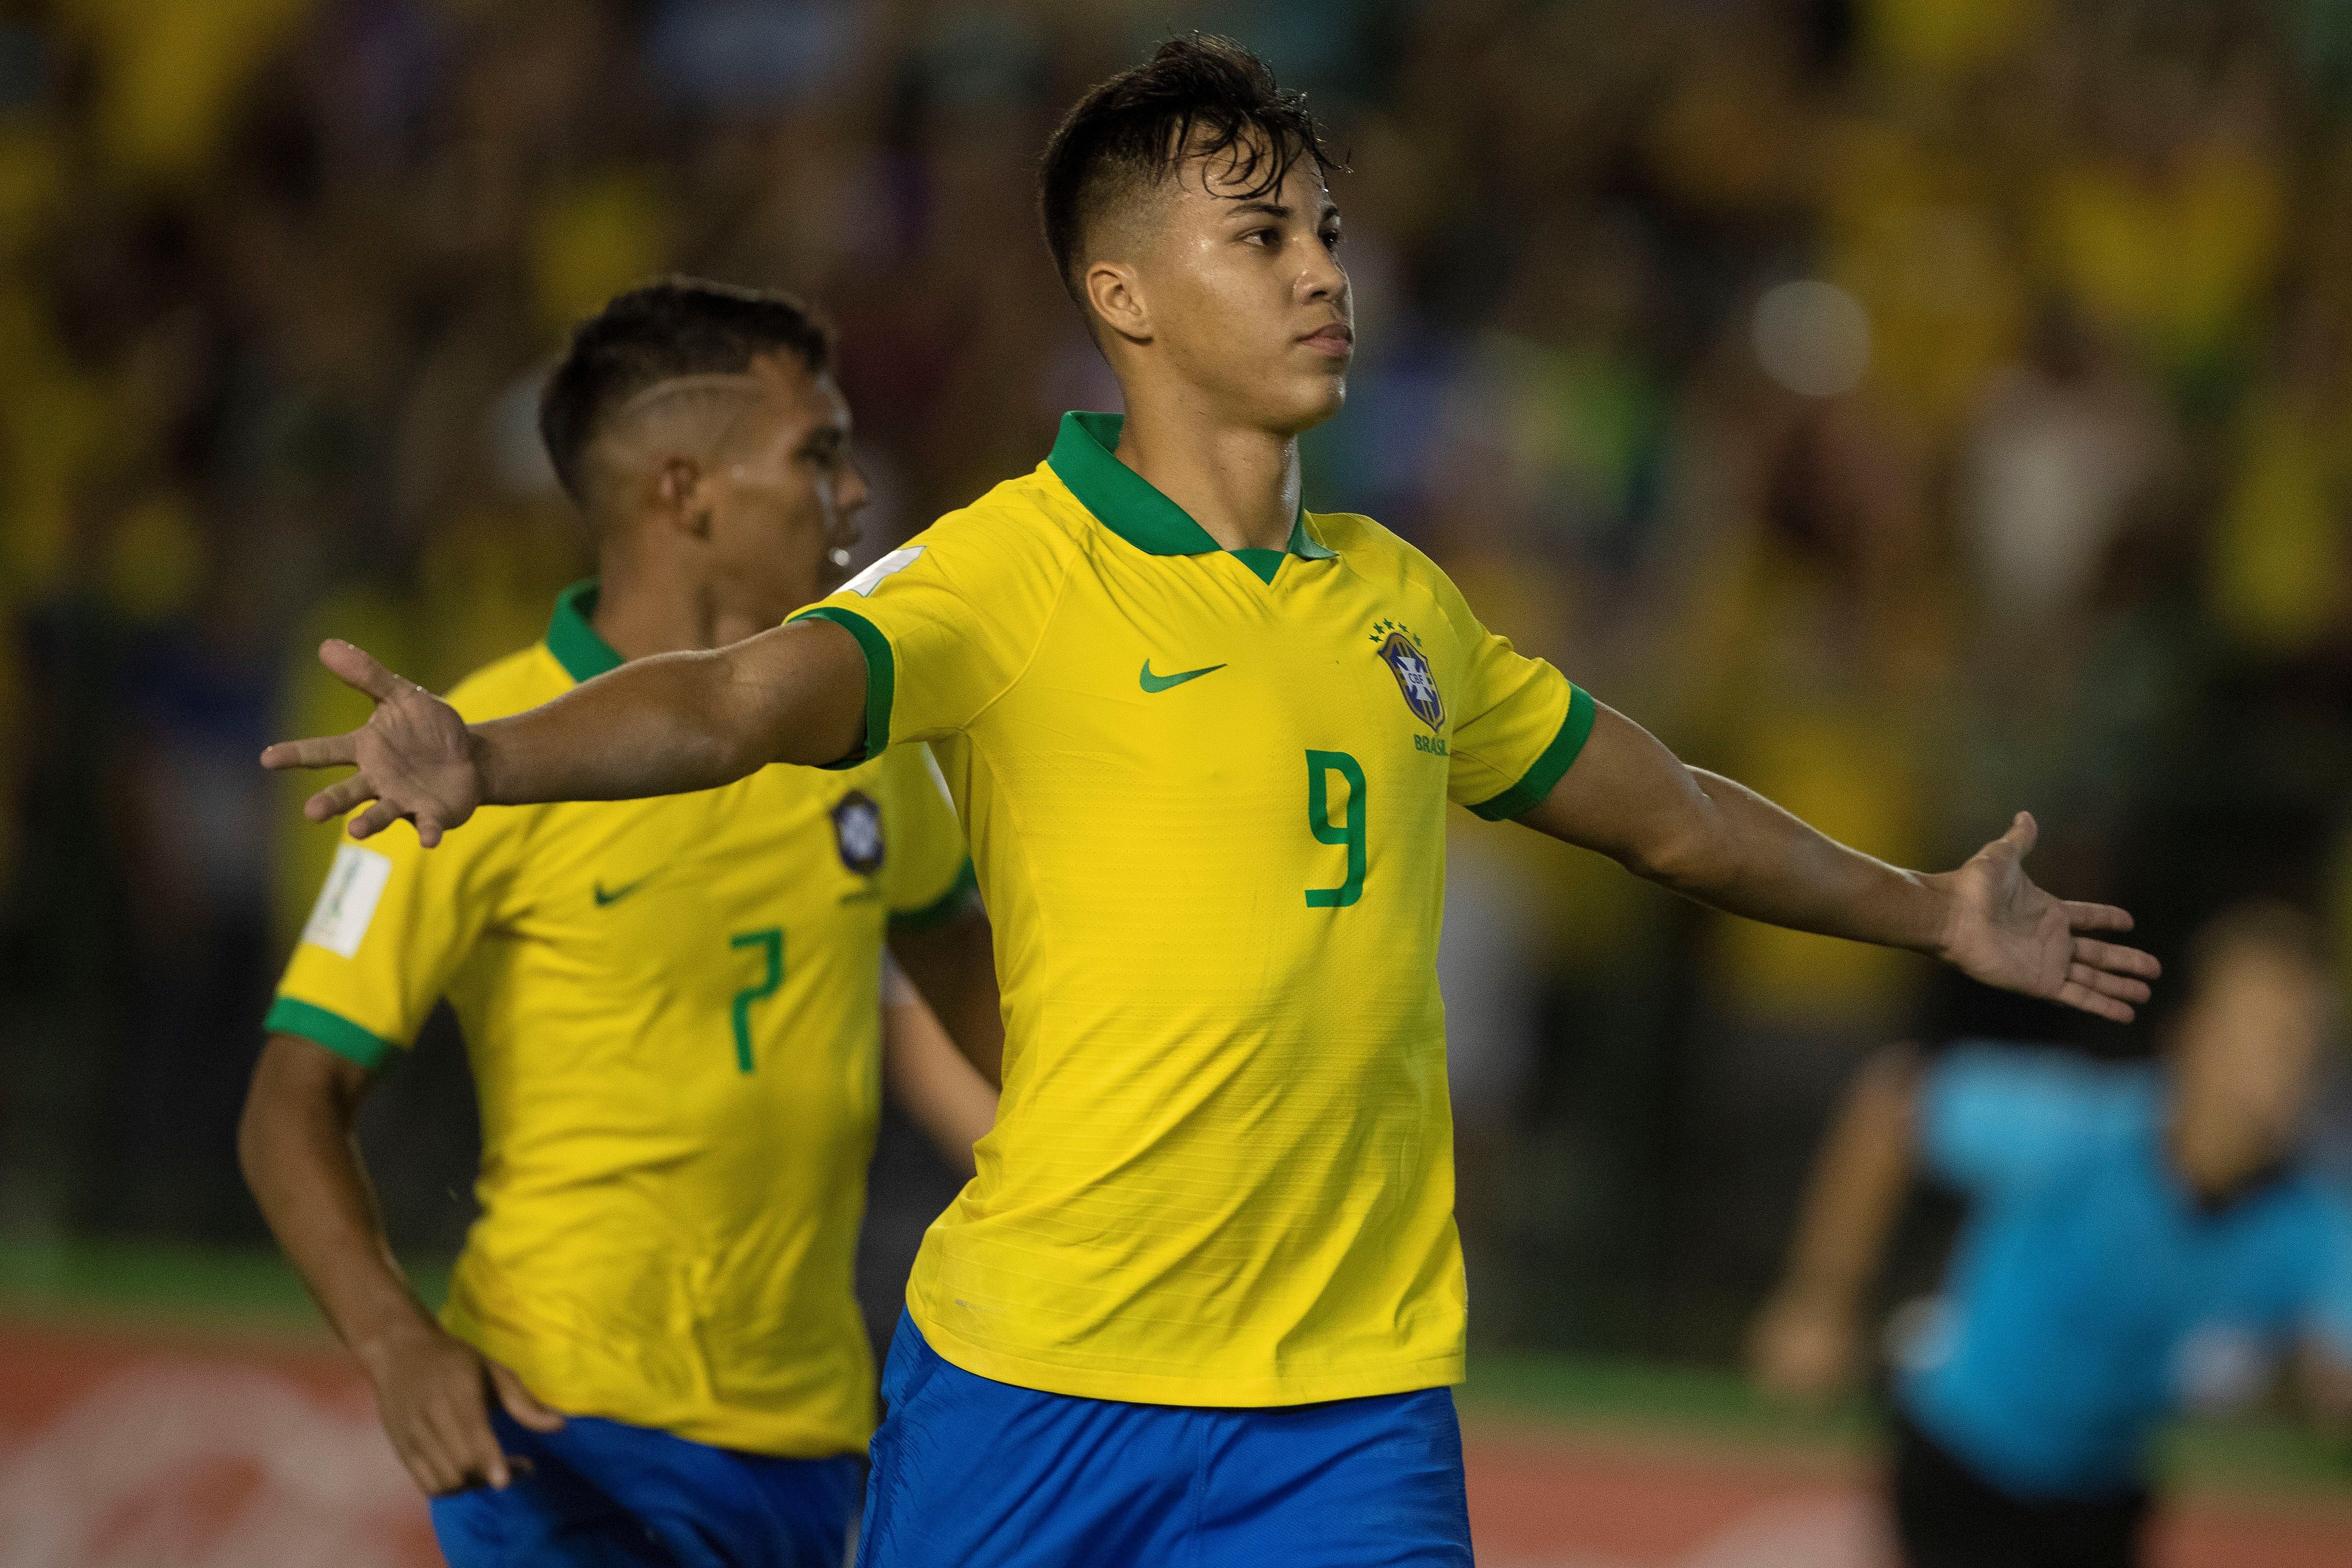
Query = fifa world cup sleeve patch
x=891 y=565
x=347 y=903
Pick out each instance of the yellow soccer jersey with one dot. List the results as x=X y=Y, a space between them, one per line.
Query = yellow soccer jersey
x=672 y=1010
x=1206 y=792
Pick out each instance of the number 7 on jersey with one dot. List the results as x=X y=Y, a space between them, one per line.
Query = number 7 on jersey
x=770 y=943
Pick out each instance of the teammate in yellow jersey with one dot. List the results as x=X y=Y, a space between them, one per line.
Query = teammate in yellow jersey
x=1203 y=1299
x=673 y=1011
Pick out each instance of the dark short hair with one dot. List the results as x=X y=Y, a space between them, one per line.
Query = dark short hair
x=656 y=332
x=1196 y=96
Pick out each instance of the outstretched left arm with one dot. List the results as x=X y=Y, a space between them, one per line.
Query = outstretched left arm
x=1723 y=845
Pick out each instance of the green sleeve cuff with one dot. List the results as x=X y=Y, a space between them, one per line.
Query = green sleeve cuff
x=333 y=1030
x=944 y=907
x=881 y=678
x=1536 y=783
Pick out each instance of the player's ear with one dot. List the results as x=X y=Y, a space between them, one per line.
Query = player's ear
x=677 y=498
x=1115 y=295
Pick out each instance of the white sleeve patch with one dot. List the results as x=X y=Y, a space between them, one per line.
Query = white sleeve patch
x=347 y=903
x=866 y=581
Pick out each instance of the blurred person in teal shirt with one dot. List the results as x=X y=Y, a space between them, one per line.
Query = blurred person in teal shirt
x=2140 y=1238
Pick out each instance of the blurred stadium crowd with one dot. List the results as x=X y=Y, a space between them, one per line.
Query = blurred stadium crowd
x=1917 y=410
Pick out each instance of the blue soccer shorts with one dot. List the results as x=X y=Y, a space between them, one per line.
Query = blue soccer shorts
x=970 y=1472
x=603 y=1494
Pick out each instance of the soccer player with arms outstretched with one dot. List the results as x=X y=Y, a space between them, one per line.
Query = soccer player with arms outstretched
x=1203 y=1300
x=652 y=1352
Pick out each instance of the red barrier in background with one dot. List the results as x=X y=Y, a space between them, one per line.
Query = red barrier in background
x=131 y=1450
x=1539 y=1500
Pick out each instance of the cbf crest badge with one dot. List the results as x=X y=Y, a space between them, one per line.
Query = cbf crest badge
x=857 y=832
x=1402 y=653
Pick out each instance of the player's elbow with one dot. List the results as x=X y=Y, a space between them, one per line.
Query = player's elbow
x=1676 y=854
x=1680 y=844
x=732 y=751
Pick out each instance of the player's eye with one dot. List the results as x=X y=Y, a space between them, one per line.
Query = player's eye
x=1270 y=237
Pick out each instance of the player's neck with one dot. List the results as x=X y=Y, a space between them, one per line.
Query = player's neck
x=642 y=610
x=2217 y=1154
x=1240 y=485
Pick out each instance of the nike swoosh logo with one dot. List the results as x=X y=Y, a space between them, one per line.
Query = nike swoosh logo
x=622 y=891
x=1162 y=683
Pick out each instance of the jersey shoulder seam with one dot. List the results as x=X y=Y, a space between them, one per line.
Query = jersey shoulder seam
x=1066 y=551
x=1413 y=565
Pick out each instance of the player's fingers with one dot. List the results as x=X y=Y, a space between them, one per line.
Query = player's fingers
x=421 y=1451
x=464 y=1422
x=321 y=752
x=428 y=829
x=355 y=667
x=521 y=1403
x=372 y=821
x=2097 y=917
x=2022 y=833
x=339 y=797
x=2117 y=959
x=2084 y=999
x=2123 y=987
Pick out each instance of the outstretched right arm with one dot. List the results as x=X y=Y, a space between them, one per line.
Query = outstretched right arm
x=664 y=725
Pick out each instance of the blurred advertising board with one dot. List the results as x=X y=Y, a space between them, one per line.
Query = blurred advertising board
x=130 y=1449
x=225 y=1441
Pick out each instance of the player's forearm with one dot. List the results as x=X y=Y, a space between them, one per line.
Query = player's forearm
x=1632 y=799
x=1857 y=1188
x=682 y=722
x=1737 y=852
x=295 y=1145
x=939 y=1089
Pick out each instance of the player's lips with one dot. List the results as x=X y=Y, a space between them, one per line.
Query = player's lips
x=1338 y=340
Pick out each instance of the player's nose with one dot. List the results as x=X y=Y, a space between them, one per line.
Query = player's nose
x=1322 y=277
x=853 y=492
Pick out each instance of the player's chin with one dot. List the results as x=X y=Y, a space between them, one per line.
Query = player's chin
x=1308 y=400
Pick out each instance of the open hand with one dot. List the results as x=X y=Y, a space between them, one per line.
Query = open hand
x=415 y=757
x=2008 y=932
x=433 y=1391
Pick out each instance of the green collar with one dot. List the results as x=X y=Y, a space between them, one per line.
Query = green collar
x=1084 y=457
x=572 y=638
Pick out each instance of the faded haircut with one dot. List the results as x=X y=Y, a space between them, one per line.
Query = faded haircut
x=1197 y=98
x=657 y=332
